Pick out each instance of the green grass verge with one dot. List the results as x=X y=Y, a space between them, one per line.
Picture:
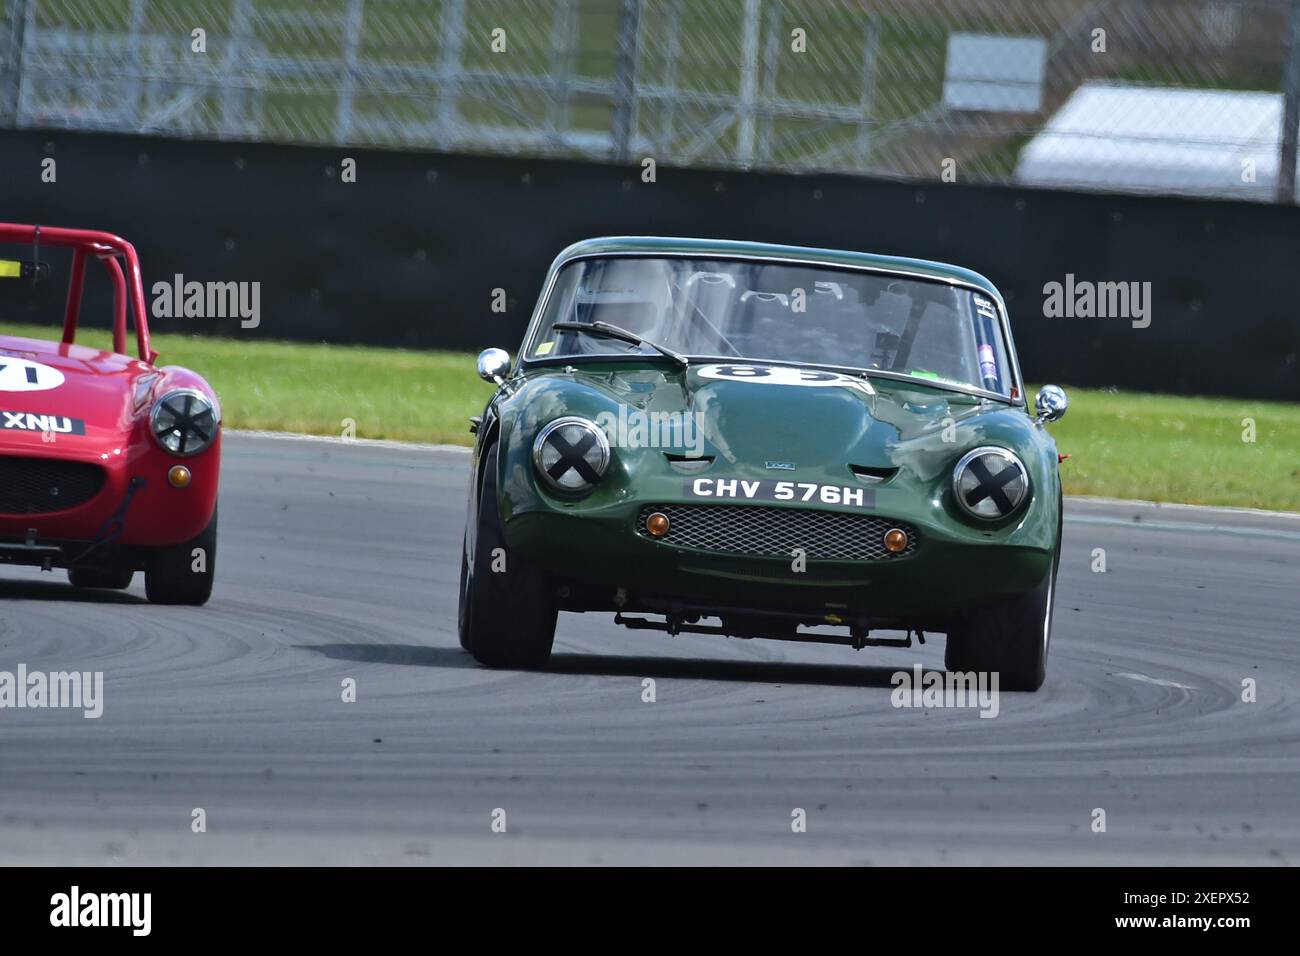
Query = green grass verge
x=287 y=386
x=1122 y=445
x=1172 y=448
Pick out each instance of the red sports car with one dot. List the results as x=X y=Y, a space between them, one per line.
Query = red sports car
x=108 y=463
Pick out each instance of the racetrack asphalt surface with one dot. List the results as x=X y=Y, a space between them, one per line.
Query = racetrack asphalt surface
x=341 y=561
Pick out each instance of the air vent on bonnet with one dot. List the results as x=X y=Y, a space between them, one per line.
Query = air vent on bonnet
x=688 y=464
x=872 y=476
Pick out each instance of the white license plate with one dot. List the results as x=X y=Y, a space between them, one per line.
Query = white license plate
x=800 y=492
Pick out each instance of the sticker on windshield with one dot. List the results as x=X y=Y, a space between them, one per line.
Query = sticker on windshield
x=23 y=375
x=544 y=348
x=784 y=375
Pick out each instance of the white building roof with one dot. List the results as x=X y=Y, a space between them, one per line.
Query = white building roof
x=1123 y=137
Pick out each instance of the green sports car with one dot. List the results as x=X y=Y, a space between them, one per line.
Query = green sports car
x=767 y=441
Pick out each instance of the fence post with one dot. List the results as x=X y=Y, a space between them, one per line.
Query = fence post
x=749 y=66
x=353 y=23
x=564 y=41
x=449 y=69
x=1290 y=108
x=133 y=103
x=866 y=100
x=629 y=17
x=236 y=119
x=11 y=80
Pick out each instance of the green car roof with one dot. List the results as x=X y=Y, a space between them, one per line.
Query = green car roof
x=728 y=248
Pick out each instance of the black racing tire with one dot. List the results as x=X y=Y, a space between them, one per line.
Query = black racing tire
x=462 y=615
x=507 y=617
x=111 y=578
x=1013 y=638
x=170 y=576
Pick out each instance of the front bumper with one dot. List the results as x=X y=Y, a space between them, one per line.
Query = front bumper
x=159 y=514
x=599 y=561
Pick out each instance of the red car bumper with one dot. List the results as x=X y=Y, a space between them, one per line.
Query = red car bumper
x=157 y=514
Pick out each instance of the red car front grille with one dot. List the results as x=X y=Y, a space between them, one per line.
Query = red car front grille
x=32 y=486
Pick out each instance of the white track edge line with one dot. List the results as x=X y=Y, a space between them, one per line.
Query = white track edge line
x=339 y=440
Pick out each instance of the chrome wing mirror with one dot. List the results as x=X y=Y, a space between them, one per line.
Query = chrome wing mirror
x=493 y=364
x=1050 y=404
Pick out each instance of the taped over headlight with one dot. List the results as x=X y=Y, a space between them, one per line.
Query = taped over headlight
x=571 y=454
x=990 y=483
x=184 y=422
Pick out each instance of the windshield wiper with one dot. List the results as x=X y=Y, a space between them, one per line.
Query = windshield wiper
x=623 y=335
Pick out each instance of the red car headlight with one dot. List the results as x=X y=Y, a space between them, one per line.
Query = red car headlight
x=184 y=422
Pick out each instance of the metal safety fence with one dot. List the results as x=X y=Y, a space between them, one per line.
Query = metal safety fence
x=1169 y=96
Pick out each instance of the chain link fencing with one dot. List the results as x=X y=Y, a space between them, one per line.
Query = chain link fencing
x=1169 y=96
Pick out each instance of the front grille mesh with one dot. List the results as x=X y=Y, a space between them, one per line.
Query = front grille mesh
x=32 y=486
x=761 y=531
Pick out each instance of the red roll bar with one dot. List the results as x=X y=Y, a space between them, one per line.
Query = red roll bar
x=115 y=253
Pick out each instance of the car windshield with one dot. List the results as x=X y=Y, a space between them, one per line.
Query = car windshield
x=776 y=311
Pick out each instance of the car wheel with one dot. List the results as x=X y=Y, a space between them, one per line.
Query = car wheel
x=507 y=615
x=183 y=573
x=109 y=578
x=1011 y=639
x=462 y=621
x=1014 y=638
